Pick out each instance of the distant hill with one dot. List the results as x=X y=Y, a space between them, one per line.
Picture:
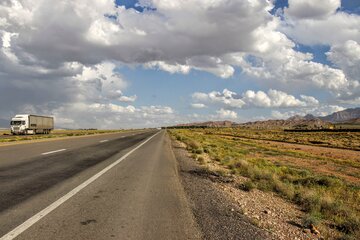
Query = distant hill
x=297 y=121
x=208 y=124
x=343 y=116
x=309 y=121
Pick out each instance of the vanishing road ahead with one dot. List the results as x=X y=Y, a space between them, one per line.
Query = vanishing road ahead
x=110 y=186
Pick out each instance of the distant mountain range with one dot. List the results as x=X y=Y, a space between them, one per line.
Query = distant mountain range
x=208 y=124
x=343 y=116
x=351 y=115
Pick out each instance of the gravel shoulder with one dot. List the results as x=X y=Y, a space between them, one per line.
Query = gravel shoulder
x=216 y=214
x=223 y=211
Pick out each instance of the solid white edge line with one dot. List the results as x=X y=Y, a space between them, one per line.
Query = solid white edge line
x=31 y=221
x=102 y=141
x=60 y=150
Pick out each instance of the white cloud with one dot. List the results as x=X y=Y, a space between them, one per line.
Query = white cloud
x=171 y=68
x=226 y=114
x=347 y=57
x=198 y=105
x=128 y=98
x=112 y=116
x=309 y=9
x=320 y=23
x=104 y=78
x=176 y=37
x=277 y=61
x=226 y=98
x=249 y=99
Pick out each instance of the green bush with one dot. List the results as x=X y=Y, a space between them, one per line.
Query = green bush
x=247 y=186
x=192 y=144
x=199 y=151
x=201 y=160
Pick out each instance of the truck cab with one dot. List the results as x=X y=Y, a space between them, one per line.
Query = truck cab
x=19 y=124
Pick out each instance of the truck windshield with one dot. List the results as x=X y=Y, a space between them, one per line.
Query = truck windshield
x=17 y=122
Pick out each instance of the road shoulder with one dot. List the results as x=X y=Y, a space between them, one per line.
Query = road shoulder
x=216 y=214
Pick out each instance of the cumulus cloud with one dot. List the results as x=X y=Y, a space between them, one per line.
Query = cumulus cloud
x=226 y=114
x=174 y=36
x=198 y=105
x=315 y=22
x=278 y=62
x=347 y=57
x=271 y=99
x=128 y=98
x=112 y=116
x=105 y=80
x=308 y=9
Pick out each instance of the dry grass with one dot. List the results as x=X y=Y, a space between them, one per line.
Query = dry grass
x=346 y=140
x=326 y=198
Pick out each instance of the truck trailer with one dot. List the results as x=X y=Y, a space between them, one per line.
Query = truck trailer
x=31 y=124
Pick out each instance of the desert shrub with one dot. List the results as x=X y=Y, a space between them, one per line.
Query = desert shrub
x=201 y=160
x=318 y=180
x=247 y=186
x=199 y=151
x=192 y=144
x=284 y=189
x=309 y=200
x=312 y=218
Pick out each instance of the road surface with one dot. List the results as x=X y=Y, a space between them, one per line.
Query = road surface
x=137 y=196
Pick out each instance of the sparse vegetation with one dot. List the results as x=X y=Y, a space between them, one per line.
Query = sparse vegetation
x=346 y=140
x=327 y=197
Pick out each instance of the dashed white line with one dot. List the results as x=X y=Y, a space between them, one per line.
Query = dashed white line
x=105 y=140
x=56 y=151
x=37 y=217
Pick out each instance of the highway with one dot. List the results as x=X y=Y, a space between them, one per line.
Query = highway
x=109 y=186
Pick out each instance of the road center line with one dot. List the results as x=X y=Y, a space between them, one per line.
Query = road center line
x=60 y=150
x=37 y=217
x=102 y=141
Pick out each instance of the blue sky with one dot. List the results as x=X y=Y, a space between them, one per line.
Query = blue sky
x=171 y=62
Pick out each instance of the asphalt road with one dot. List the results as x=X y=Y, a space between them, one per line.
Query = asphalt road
x=139 y=197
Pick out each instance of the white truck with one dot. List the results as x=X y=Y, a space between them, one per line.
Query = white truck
x=31 y=124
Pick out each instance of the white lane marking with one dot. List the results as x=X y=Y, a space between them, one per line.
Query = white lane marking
x=102 y=141
x=60 y=150
x=34 y=219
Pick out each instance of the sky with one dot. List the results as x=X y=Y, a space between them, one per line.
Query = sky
x=132 y=64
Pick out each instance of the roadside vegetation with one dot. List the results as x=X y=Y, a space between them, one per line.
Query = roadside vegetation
x=7 y=137
x=326 y=188
x=346 y=140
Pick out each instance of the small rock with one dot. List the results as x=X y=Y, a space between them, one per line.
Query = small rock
x=232 y=209
x=266 y=211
